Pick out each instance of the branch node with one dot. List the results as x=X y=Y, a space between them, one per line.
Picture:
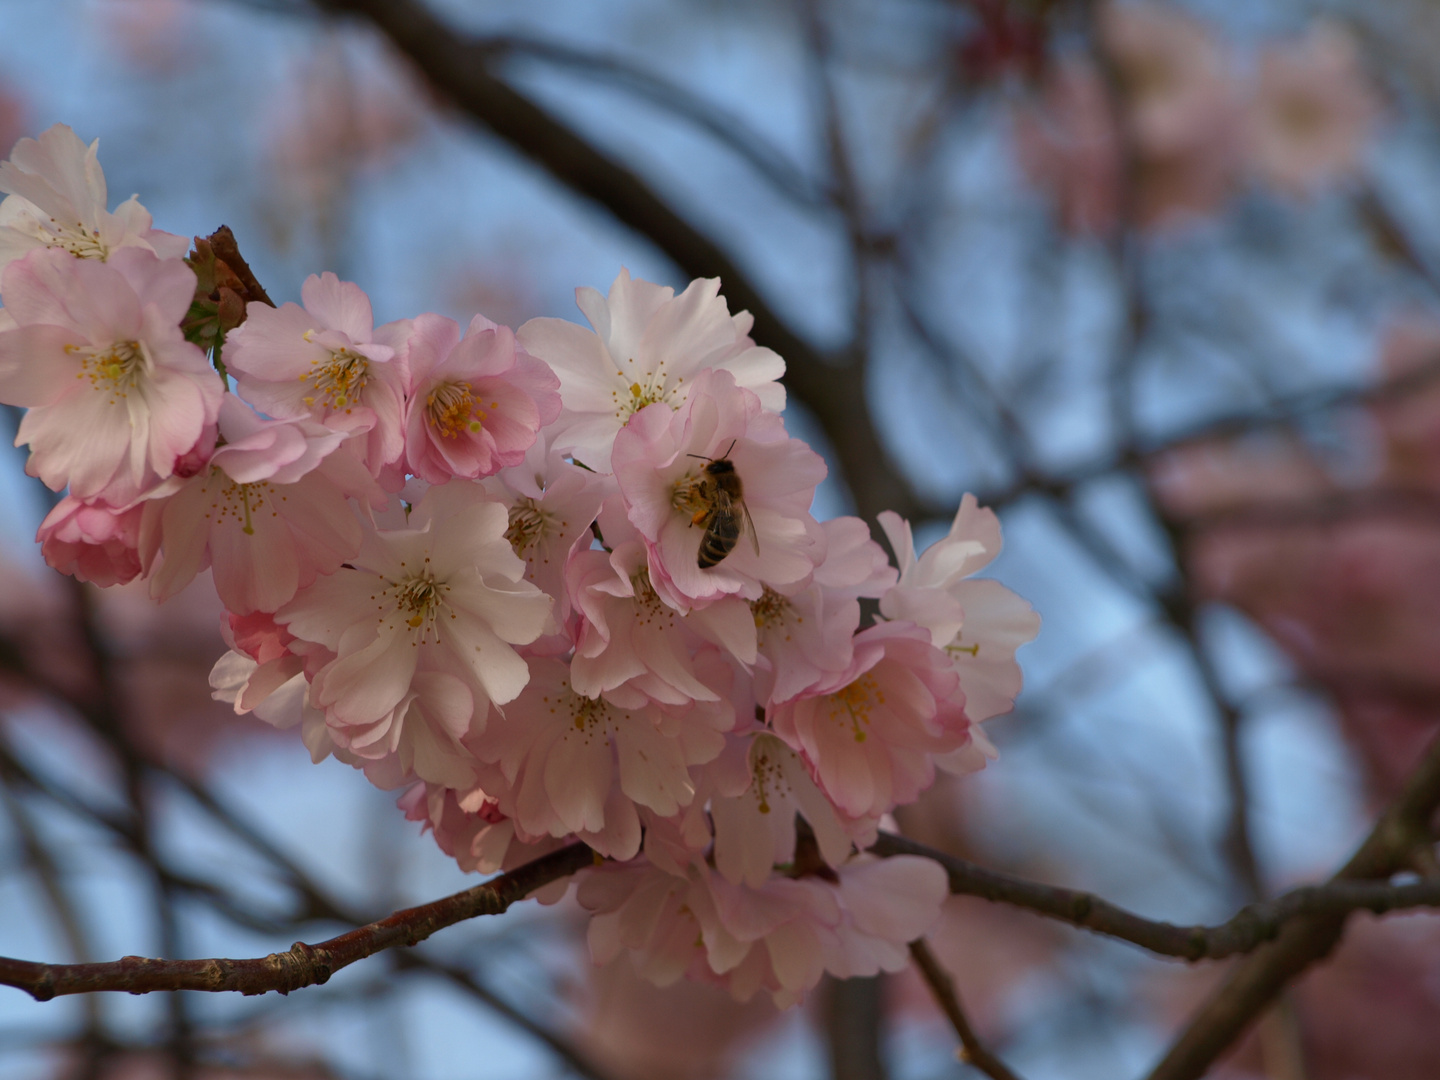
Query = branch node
x=44 y=988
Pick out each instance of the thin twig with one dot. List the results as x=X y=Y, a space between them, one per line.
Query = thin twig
x=303 y=965
x=972 y=1050
x=1256 y=982
x=1251 y=927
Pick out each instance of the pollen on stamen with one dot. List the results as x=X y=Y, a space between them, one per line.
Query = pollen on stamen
x=340 y=380
x=451 y=410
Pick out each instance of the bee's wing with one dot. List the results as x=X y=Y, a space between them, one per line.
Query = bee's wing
x=750 y=527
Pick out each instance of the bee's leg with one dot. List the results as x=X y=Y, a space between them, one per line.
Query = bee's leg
x=700 y=516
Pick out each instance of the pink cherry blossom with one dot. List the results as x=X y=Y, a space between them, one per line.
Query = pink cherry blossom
x=1181 y=105
x=92 y=541
x=325 y=361
x=581 y=765
x=652 y=915
x=471 y=829
x=805 y=629
x=476 y=403
x=629 y=644
x=754 y=809
x=979 y=623
x=648 y=346
x=552 y=504
x=1068 y=144
x=443 y=593
x=857 y=921
x=269 y=512
x=659 y=459
x=871 y=733
x=780 y=936
x=57 y=199
x=1313 y=112
x=420 y=738
x=262 y=674
x=1180 y=91
x=116 y=394
x=476 y=841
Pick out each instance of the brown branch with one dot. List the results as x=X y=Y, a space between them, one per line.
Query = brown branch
x=1256 y=982
x=458 y=67
x=972 y=1050
x=1250 y=928
x=303 y=965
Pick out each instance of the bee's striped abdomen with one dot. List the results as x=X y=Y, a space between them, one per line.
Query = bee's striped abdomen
x=722 y=533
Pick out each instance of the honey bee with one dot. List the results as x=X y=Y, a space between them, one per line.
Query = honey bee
x=720 y=495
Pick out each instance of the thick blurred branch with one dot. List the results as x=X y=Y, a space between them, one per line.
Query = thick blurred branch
x=1250 y=928
x=835 y=392
x=304 y=965
x=768 y=160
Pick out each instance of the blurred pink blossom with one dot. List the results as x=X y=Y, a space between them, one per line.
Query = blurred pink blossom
x=335 y=117
x=1068 y=145
x=1313 y=111
x=1171 y=130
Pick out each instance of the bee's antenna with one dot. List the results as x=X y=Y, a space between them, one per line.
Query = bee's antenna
x=722 y=457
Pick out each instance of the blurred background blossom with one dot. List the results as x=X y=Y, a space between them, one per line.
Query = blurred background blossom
x=1156 y=280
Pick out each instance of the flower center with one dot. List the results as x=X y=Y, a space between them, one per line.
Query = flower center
x=856 y=700
x=652 y=608
x=638 y=394
x=690 y=495
x=113 y=369
x=339 y=380
x=451 y=410
x=418 y=599
x=767 y=775
x=78 y=240
x=591 y=714
x=1302 y=117
x=528 y=525
x=242 y=502
x=772 y=609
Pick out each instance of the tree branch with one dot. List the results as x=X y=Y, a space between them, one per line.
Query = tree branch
x=1251 y=927
x=1256 y=982
x=303 y=965
x=972 y=1050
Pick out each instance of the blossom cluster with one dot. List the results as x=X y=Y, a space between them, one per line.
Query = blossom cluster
x=551 y=584
x=1196 y=121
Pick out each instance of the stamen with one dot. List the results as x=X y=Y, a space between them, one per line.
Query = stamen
x=767 y=776
x=771 y=609
x=857 y=699
x=418 y=600
x=339 y=380
x=688 y=495
x=528 y=525
x=654 y=389
x=114 y=368
x=451 y=410
x=243 y=502
x=78 y=240
x=589 y=713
